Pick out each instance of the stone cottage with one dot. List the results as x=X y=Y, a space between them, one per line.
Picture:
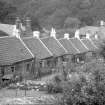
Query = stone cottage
x=80 y=57
x=14 y=57
x=91 y=46
x=57 y=49
x=70 y=47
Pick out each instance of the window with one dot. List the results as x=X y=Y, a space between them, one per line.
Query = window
x=40 y=64
x=12 y=68
x=49 y=63
x=28 y=67
x=2 y=71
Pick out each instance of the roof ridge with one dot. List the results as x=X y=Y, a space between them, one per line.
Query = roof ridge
x=45 y=37
x=7 y=24
x=72 y=38
x=74 y=46
x=26 y=47
x=61 y=45
x=27 y=37
x=83 y=43
x=7 y=36
x=45 y=46
x=61 y=38
x=93 y=43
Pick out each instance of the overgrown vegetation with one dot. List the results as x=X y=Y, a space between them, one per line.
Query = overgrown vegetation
x=84 y=84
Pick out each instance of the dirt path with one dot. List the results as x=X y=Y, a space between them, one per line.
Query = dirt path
x=8 y=96
x=11 y=94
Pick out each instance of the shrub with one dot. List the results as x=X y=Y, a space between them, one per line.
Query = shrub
x=51 y=88
x=55 y=85
x=88 y=88
x=86 y=85
x=57 y=79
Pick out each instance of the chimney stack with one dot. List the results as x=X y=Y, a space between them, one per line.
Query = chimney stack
x=101 y=23
x=53 y=33
x=36 y=34
x=28 y=30
x=18 y=23
x=66 y=36
x=77 y=33
x=96 y=36
x=17 y=27
x=87 y=35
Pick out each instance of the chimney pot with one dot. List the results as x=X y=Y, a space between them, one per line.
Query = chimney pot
x=96 y=36
x=28 y=21
x=66 y=36
x=88 y=35
x=77 y=33
x=53 y=33
x=101 y=23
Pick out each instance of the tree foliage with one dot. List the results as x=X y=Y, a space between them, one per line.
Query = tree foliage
x=53 y=12
x=86 y=85
x=5 y=10
x=71 y=22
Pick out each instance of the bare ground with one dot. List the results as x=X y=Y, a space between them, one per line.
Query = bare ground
x=8 y=94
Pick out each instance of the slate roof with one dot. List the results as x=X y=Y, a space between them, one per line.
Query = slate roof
x=12 y=50
x=37 y=47
x=54 y=46
x=79 y=45
x=96 y=42
x=89 y=44
x=69 y=46
x=2 y=34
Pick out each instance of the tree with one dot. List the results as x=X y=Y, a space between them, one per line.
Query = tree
x=53 y=12
x=57 y=18
x=86 y=20
x=101 y=50
x=89 y=88
x=5 y=10
x=71 y=22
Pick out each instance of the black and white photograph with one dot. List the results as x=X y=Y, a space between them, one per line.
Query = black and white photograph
x=52 y=52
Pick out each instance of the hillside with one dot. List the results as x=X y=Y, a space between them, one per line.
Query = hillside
x=48 y=13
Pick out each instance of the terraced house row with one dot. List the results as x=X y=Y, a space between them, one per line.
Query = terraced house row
x=24 y=53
